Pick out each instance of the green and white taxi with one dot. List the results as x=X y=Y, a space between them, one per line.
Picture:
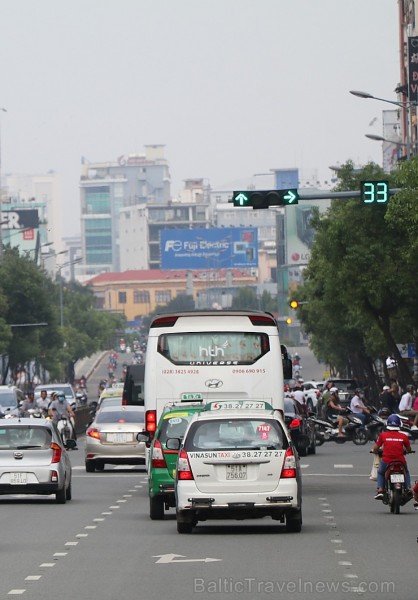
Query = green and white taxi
x=162 y=462
x=237 y=461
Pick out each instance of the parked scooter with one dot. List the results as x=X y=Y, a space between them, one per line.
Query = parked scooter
x=396 y=494
x=354 y=431
x=407 y=426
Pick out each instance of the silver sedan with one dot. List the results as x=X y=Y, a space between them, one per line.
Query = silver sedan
x=112 y=438
x=33 y=459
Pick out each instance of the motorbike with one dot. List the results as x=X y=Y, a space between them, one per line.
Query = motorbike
x=81 y=397
x=354 y=431
x=396 y=494
x=407 y=424
x=374 y=424
x=65 y=429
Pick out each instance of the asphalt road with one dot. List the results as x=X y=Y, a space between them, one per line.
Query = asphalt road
x=103 y=545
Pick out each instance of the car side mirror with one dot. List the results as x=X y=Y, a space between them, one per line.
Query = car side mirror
x=142 y=436
x=173 y=443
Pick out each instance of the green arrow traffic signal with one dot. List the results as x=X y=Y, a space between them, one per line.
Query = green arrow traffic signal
x=260 y=199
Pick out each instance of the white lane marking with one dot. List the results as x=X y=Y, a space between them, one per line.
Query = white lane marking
x=106 y=513
x=81 y=535
x=60 y=554
x=351 y=576
x=304 y=466
x=326 y=510
x=176 y=558
x=127 y=496
x=345 y=563
x=33 y=577
x=114 y=506
x=340 y=551
x=337 y=541
x=16 y=592
x=98 y=520
x=47 y=565
x=71 y=543
x=342 y=466
x=90 y=527
x=121 y=501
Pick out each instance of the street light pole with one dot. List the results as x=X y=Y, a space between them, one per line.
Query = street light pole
x=405 y=106
x=1 y=195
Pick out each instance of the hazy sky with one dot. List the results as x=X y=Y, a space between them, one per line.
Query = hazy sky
x=231 y=87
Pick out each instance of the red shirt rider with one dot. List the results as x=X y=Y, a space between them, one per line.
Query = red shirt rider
x=394 y=444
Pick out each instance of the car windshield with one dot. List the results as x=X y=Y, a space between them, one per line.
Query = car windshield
x=346 y=385
x=20 y=437
x=254 y=434
x=7 y=399
x=110 y=402
x=120 y=416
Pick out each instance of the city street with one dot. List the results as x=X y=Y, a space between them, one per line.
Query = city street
x=350 y=544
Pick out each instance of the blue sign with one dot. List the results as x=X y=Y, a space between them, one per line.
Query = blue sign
x=220 y=248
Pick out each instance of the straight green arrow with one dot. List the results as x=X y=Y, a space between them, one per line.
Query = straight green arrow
x=241 y=199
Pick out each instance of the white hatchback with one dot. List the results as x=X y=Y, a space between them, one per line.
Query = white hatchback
x=237 y=464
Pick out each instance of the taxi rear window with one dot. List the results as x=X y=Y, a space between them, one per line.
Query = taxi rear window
x=174 y=427
x=241 y=434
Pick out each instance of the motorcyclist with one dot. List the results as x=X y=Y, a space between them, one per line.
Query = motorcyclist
x=357 y=407
x=395 y=444
x=28 y=404
x=335 y=410
x=61 y=408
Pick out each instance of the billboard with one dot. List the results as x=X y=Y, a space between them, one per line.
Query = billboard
x=27 y=218
x=217 y=248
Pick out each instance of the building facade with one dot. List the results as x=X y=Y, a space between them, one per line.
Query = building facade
x=106 y=188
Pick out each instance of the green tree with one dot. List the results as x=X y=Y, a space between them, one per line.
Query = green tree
x=356 y=282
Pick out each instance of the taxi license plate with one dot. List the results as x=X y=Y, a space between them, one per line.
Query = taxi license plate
x=18 y=478
x=119 y=438
x=236 y=472
x=397 y=478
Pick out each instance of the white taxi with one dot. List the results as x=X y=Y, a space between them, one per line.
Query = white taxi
x=237 y=461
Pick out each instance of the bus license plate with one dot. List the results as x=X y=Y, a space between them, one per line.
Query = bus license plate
x=397 y=478
x=236 y=472
x=18 y=478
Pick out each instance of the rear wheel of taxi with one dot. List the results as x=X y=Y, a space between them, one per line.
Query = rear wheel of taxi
x=184 y=525
x=294 y=521
x=156 y=508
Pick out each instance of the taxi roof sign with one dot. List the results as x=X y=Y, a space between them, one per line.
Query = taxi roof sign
x=239 y=405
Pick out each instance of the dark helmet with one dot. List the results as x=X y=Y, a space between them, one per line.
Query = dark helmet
x=393 y=422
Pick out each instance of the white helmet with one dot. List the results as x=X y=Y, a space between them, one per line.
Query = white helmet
x=333 y=390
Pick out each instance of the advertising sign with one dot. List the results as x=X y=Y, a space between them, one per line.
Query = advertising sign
x=20 y=219
x=219 y=248
x=413 y=69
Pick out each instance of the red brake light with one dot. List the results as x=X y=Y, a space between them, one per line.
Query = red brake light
x=93 y=432
x=57 y=452
x=294 y=423
x=263 y=320
x=157 y=458
x=151 y=421
x=289 y=465
x=183 y=466
x=164 y=322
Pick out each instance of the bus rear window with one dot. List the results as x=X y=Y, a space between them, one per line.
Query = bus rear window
x=213 y=348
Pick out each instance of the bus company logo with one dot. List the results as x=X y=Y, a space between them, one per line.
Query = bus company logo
x=214 y=383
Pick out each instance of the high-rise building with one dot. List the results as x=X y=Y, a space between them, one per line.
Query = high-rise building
x=106 y=188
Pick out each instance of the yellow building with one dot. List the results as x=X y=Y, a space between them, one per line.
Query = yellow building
x=137 y=293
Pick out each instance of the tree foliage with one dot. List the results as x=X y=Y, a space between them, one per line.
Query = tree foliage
x=30 y=328
x=360 y=285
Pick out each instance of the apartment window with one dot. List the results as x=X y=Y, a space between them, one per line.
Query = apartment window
x=141 y=297
x=162 y=296
x=122 y=297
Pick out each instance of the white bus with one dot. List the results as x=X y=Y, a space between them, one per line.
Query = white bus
x=213 y=355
